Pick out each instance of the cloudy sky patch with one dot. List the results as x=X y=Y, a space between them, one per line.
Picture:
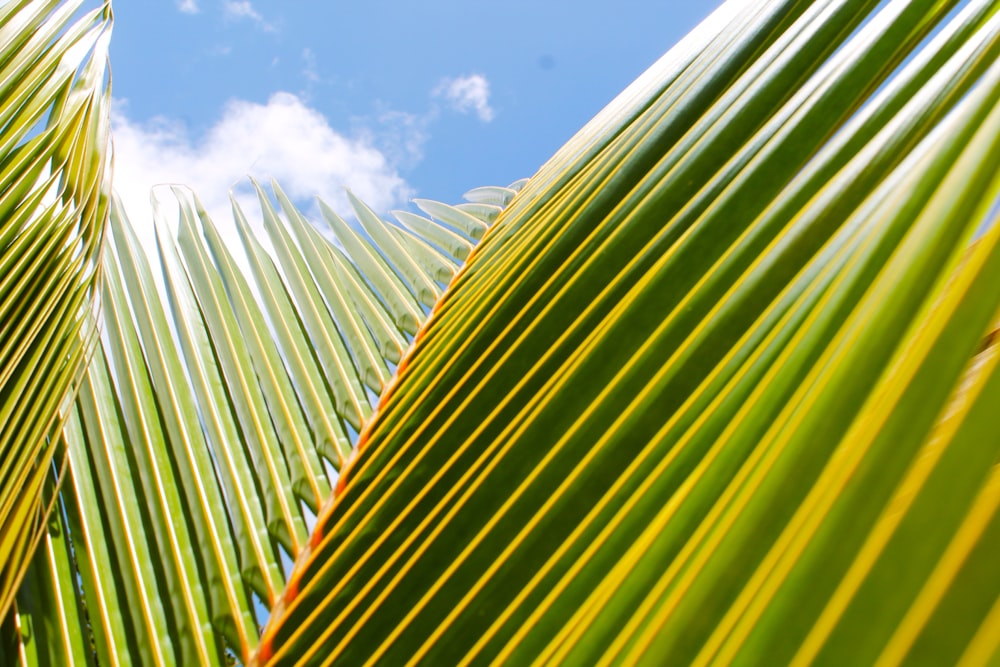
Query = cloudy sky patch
x=467 y=94
x=243 y=9
x=384 y=86
x=283 y=138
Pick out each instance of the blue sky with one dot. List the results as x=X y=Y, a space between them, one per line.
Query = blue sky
x=392 y=98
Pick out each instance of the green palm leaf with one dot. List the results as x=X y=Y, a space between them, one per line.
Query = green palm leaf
x=54 y=189
x=718 y=385
x=670 y=410
x=211 y=421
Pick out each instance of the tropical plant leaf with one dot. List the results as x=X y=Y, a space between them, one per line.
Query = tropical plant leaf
x=211 y=420
x=705 y=391
x=54 y=193
x=719 y=385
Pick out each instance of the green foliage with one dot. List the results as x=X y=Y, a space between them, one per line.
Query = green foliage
x=703 y=393
x=54 y=195
x=717 y=386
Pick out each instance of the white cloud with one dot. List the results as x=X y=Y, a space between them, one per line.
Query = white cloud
x=243 y=9
x=188 y=6
x=467 y=93
x=238 y=8
x=283 y=138
x=401 y=136
x=309 y=68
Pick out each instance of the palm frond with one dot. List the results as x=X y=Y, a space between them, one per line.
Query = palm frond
x=54 y=186
x=213 y=419
x=708 y=391
x=718 y=385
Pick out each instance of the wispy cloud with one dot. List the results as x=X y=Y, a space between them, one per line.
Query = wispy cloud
x=467 y=93
x=243 y=9
x=188 y=6
x=399 y=135
x=402 y=136
x=283 y=138
x=309 y=69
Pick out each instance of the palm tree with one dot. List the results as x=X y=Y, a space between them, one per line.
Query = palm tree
x=716 y=385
